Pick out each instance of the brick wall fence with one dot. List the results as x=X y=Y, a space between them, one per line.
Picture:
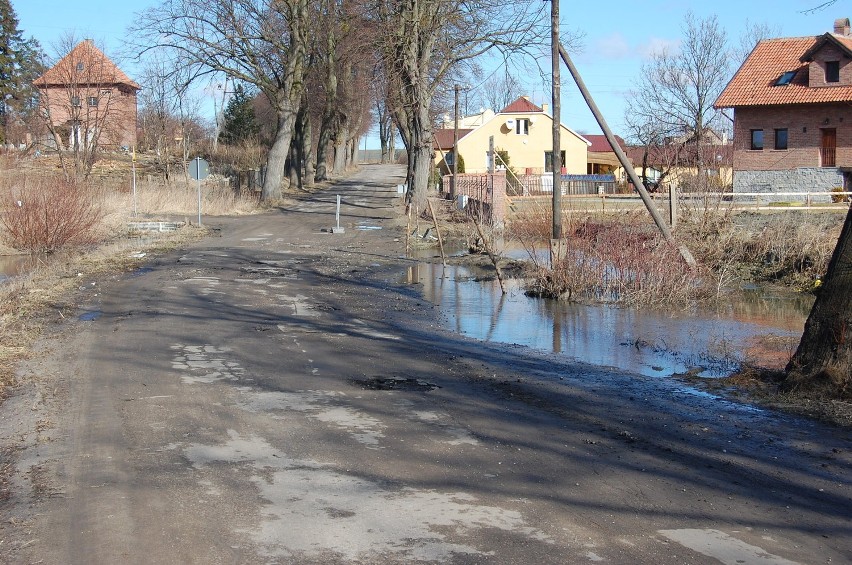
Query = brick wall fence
x=486 y=194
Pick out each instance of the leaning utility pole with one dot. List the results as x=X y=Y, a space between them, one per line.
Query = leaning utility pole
x=556 y=158
x=622 y=158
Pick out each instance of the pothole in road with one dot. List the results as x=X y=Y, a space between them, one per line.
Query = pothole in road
x=90 y=316
x=394 y=383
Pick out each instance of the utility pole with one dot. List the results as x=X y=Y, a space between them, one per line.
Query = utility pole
x=455 y=141
x=556 y=160
x=622 y=158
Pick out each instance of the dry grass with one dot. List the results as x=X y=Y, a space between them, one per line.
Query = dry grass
x=46 y=292
x=788 y=247
x=621 y=256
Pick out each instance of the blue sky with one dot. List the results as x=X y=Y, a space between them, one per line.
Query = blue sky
x=618 y=36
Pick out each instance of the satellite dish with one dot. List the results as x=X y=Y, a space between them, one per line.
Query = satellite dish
x=532 y=119
x=510 y=123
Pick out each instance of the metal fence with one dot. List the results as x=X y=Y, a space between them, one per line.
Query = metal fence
x=576 y=185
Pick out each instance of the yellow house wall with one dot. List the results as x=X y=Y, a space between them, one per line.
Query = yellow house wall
x=525 y=151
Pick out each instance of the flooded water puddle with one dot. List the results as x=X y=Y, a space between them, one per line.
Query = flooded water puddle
x=757 y=328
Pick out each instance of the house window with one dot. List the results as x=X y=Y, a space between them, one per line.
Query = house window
x=522 y=126
x=832 y=71
x=93 y=101
x=548 y=160
x=80 y=66
x=786 y=78
x=781 y=139
x=757 y=139
x=75 y=101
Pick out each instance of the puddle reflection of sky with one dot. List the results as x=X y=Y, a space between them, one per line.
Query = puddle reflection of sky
x=650 y=342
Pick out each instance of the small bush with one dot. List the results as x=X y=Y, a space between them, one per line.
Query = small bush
x=42 y=217
x=837 y=198
x=617 y=259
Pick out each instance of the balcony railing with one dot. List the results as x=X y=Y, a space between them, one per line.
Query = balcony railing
x=827 y=157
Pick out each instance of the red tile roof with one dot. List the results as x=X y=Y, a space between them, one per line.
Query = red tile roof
x=601 y=145
x=97 y=69
x=521 y=106
x=443 y=138
x=754 y=82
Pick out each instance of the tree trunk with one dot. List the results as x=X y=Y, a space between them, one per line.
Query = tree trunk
x=277 y=158
x=328 y=127
x=307 y=147
x=421 y=154
x=823 y=360
x=340 y=152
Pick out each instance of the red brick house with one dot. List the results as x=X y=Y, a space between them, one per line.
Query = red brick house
x=792 y=101
x=87 y=99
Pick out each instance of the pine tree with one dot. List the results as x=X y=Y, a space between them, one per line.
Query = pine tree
x=20 y=64
x=240 y=121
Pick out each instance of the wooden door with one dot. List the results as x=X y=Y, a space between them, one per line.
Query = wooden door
x=828 y=148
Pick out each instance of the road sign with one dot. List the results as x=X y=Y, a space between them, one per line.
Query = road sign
x=199 y=169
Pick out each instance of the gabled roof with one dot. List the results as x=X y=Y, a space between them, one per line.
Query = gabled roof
x=521 y=106
x=754 y=84
x=443 y=138
x=601 y=145
x=84 y=65
x=843 y=43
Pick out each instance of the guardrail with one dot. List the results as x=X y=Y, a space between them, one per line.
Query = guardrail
x=773 y=199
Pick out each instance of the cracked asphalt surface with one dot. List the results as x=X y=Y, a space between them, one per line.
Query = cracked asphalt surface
x=280 y=394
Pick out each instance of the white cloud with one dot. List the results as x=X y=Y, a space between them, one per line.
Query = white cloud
x=613 y=46
x=656 y=45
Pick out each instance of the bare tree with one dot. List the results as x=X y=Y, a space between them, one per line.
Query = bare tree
x=500 y=90
x=655 y=138
x=260 y=42
x=752 y=34
x=163 y=117
x=420 y=42
x=820 y=6
x=677 y=89
x=87 y=103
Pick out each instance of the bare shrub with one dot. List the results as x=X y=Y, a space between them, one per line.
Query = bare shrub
x=241 y=157
x=45 y=215
x=607 y=258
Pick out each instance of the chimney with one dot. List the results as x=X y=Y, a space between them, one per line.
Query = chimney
x=841 y=27
x=545 y=108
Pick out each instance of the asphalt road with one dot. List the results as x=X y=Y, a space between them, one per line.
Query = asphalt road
x=280 y=394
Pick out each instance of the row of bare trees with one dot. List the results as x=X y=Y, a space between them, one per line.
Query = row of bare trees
x=322 y=66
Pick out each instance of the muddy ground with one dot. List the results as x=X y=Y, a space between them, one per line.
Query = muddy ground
x=277 y=393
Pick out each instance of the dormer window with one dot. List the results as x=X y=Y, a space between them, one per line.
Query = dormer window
x=832 y=71
x=786 y=78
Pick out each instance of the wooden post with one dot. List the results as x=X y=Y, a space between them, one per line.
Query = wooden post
x=437 y=231
x=455 y=141
x=672 y=206
x=556 y=93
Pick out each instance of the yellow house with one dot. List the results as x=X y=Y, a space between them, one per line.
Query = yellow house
x=522 y=132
